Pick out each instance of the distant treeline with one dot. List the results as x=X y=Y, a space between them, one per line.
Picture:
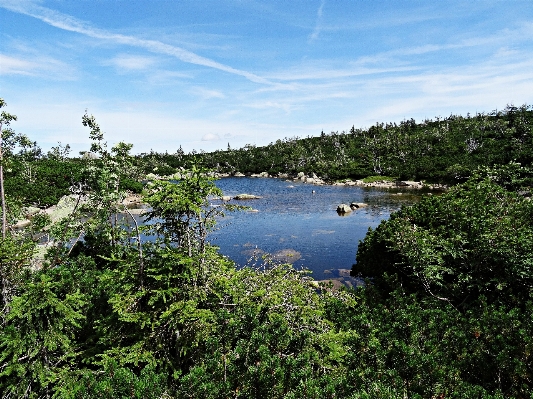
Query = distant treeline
x=440 y=150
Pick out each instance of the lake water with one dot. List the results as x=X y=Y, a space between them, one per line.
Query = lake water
x=295 y=225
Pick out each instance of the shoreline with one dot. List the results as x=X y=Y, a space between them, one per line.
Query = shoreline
x=318 y=181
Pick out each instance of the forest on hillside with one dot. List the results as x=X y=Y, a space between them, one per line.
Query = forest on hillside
x=446 y=311
x=443 y=150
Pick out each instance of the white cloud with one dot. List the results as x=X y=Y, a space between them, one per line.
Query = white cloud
x=128 y=62
x=207 y=94
x=210 y=137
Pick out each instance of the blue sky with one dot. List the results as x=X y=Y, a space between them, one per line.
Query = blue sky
x=202 y=73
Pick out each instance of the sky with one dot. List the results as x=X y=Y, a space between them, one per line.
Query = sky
x=202 y=74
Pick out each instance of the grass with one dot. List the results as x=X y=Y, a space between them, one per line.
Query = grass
x=373 y=179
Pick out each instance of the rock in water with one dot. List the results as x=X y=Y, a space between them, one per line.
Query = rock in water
x=246 y=197
x=286 y=255
x=343 y=208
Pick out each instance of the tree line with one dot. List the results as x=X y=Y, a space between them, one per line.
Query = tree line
x=442 y=150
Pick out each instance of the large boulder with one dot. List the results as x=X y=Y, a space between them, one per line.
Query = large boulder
x=343 y=208
x=409 y=183
x=30 y=211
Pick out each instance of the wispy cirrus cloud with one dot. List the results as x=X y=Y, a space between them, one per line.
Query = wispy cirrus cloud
x=285 y=105
x=403 y=60
x=35 y=65
x=327 y=73
x=128 y=62
x=522 y=33
x=318 y=25
x=16 y=66
x=207 y=94
x=69 y=23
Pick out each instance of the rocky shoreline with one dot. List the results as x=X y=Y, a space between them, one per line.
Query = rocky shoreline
x=318 y=181
x=315 y=180
x=134 y=204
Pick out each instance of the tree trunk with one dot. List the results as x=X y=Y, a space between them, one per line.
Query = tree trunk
x=2 y=194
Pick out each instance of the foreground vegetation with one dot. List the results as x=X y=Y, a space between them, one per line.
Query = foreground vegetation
x=446 y=312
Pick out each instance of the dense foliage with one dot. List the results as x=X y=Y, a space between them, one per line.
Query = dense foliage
x=126 y=306
x=455 y=272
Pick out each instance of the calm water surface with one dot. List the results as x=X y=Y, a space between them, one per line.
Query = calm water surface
x=295 y=225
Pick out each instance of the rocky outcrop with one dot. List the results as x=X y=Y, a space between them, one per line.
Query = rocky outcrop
x=301 y=177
